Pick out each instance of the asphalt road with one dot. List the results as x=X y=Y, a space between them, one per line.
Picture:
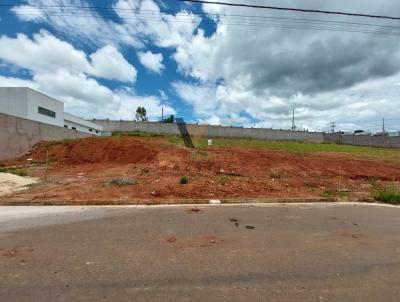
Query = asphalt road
x=314 y=252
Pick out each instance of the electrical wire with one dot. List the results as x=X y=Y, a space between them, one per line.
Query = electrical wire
x=177 y=19
x=293 y=9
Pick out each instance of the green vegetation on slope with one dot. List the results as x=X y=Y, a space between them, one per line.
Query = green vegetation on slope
x=299 y=147
x=388 y=195
x=13 y=171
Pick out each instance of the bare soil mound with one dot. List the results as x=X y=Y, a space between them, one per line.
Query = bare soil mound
x=82 y=171
x=94 y=150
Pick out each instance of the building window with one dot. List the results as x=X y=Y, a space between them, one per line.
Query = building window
x=66 y=126
x=47 y=112
x=73 y=128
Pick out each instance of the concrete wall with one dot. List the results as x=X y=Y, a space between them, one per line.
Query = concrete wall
x=364 y=140
x=17 y=135
x=210 y=131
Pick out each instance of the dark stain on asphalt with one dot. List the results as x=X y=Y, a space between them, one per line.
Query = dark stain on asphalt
x=194 y=210
x=235 y=221
x=350 y=235
x=11 y=253
x=172 y=239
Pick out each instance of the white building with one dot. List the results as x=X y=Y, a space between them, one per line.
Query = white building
x=29 y=104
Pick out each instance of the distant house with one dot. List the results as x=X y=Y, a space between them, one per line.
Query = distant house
x=30 y=104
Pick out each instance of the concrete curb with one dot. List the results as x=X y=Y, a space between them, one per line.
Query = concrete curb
x=168 y=201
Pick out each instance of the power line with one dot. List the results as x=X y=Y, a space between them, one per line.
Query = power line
x=289 y=23
x=293 y=9
x=265 y=25
x=234 y=16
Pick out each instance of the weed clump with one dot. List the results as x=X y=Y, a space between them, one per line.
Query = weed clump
x=184 y=180
x=388 y=195
x=122 y=182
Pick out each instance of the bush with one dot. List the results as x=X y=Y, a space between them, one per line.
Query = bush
x=122 y=182
x=388 y=195
x=184 y=180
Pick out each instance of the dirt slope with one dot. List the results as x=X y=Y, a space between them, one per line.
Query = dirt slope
x=81 y=170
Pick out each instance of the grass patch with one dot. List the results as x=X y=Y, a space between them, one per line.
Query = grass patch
x=18 y=172
x=123 y=182
x=184 y=180
x=136 y=134
x=300 y=147
x=388 y=195
x=333 y=193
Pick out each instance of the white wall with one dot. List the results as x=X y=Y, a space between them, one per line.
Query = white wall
x=81 y=124
x=13 y=101
x=36 y=99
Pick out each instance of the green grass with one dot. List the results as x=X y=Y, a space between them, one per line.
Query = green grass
x=387 y=154
x=300 y=147
x=184 y=180
x=18 y=172
x=123 y=182
x=388 y=195
x=333 y=193
x=136 y=134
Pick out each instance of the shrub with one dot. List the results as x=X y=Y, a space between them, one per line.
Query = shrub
x=184 y=180
x=388 y=195
x=122 y=182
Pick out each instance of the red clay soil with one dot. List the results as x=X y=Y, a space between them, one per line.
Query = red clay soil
x=81 y=171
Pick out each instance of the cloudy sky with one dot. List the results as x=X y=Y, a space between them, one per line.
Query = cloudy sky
x=209 y=63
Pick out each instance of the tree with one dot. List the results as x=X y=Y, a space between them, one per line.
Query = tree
x=141 y=114
x=169 y=119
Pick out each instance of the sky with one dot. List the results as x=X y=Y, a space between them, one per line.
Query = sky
x=209 y=64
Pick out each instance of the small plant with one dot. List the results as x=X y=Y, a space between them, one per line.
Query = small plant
x=275 y=174
x=388 y=195
x=13 y=171
x=333 y=193
x=122 y=182
x=184 y=180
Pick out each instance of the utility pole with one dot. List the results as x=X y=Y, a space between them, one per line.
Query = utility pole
x=162 y=114
x=383 y=126
x=333 y=125
x=293 y=125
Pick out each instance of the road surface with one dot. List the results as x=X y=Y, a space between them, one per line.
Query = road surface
x=318 y=252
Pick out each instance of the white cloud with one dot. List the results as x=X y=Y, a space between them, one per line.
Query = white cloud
x=28 y=13
x=109 y=63
x=140 y=21
x=49 y=54
x=244 y=72
x=152 y=61
x=46 y=52
x=16 y=82
x=58 y=69
x=264 y=72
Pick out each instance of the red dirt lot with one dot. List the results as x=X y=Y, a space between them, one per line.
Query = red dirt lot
x=81 y=171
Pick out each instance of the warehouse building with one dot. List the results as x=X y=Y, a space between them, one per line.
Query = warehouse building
x=30 y=104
